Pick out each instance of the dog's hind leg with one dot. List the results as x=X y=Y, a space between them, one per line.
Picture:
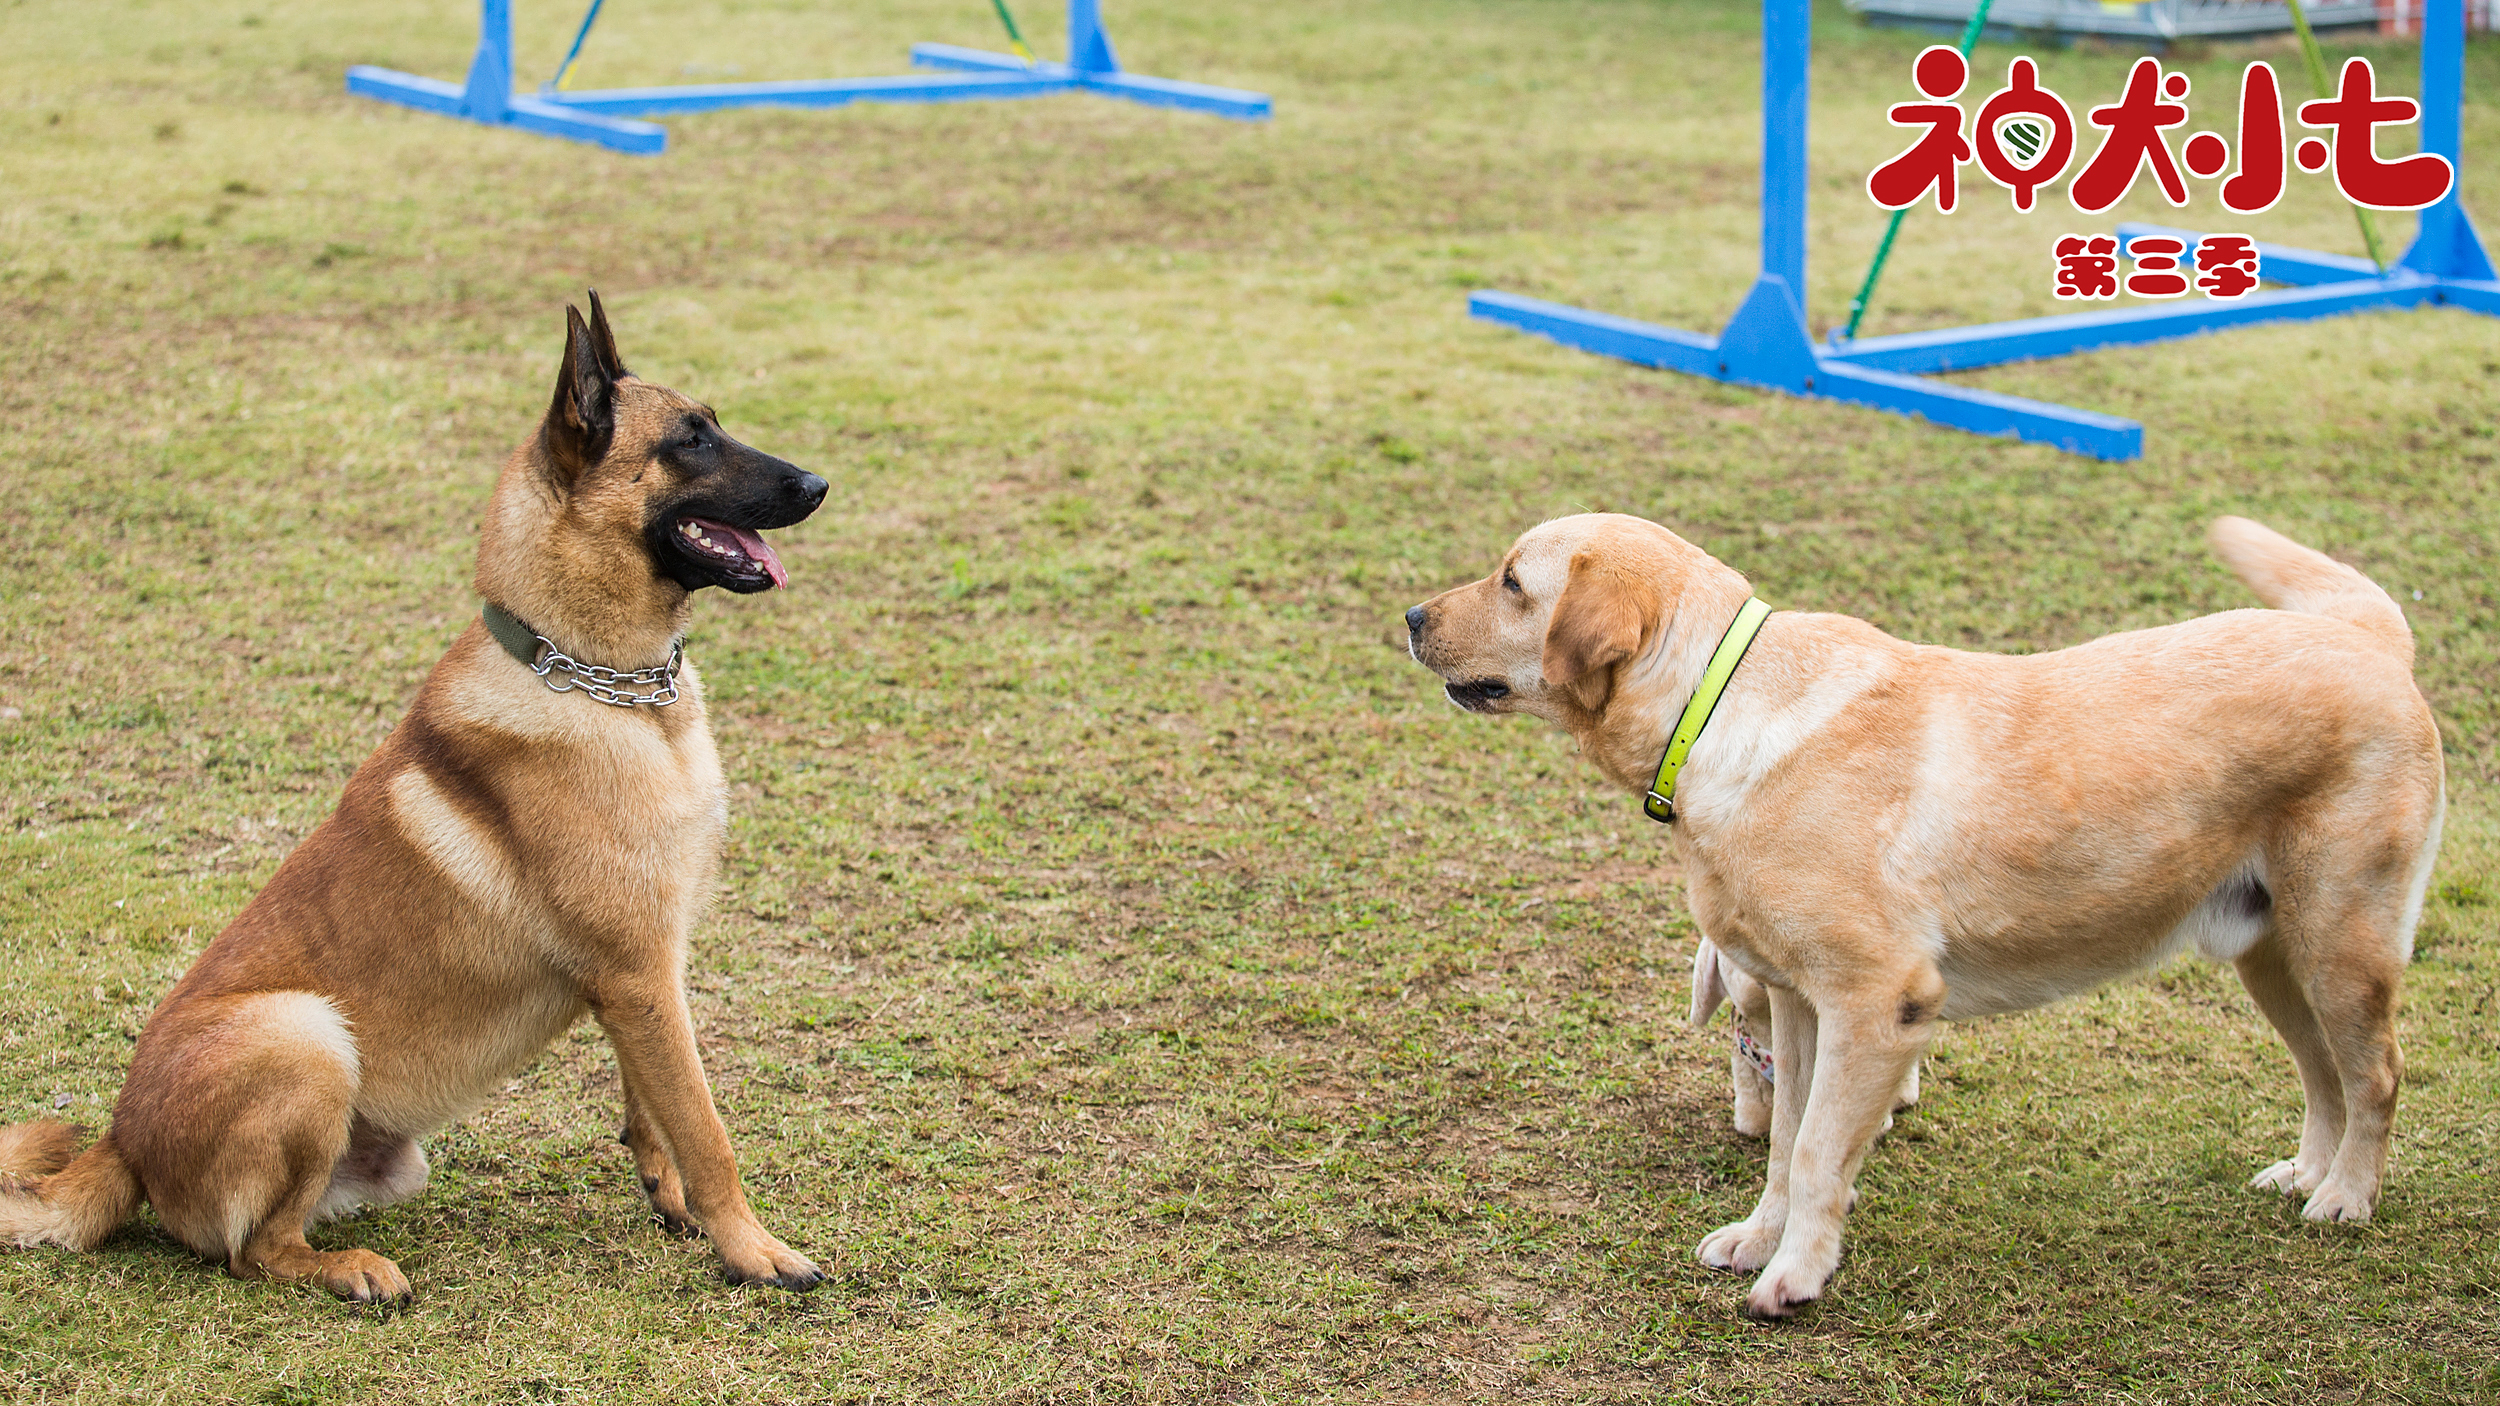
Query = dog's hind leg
x=1753 y=1094
x=2347 y=895
x=1716 y=982
x=654 y=1168
x=2268 y=975
x=379 y=1168
x=2355 y=1001
x=1749 y=1003
x=237 y=1118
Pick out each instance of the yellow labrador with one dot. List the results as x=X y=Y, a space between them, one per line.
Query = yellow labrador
x=1886 y=834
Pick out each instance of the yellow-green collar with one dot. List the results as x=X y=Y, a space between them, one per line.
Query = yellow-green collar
x=1660 y=803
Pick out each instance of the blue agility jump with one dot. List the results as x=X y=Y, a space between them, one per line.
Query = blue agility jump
x=607 y=116
x=1766 y=344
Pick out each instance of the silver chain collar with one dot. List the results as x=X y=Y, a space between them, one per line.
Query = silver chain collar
x=609 y=686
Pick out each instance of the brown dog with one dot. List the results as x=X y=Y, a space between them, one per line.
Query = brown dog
x=1886 y=834
x=533 y=841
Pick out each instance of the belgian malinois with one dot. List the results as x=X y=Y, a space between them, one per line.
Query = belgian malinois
x=533 y=841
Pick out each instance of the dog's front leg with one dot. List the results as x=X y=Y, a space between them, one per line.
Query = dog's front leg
x=1748 y=1244
x=647 y=1021
x=1862 y=1050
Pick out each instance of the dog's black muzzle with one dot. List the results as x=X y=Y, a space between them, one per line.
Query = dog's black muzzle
x=707 y=535
x=759 y=492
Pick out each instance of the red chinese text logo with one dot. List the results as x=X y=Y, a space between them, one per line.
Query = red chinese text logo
x=2025 y=138
x=2087 y=266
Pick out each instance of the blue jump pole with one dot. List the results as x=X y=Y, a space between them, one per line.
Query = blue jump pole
x=1089 y=48
x=2445 y=245
x=488 y=92
x=1766 y=343
x=605 y=117
x=1094 y=66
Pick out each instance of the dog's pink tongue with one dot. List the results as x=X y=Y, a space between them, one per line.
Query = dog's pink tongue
x=762 y=553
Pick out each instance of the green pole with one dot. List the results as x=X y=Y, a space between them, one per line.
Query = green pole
x=2317 y=78
x=1883 y=251
x=1015 y=37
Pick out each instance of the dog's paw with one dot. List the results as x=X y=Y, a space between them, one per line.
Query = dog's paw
x=1788 y=1285
x=775 y=1264
x=2288 y=1177
x=2338 y=1203
x=1742 y=1247
x=361 y=1276
x=667 y=1196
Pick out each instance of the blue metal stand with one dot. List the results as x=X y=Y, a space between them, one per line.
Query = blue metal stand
x=602 y=116
x=1766 y=343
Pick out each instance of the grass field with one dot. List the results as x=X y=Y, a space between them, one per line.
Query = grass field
x=1132 y=979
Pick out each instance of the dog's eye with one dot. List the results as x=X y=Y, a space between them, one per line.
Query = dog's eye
x=692 y=441
x=1510 y=581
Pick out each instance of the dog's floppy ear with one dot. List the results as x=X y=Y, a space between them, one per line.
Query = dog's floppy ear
x=1598 y=623
x=581 y=420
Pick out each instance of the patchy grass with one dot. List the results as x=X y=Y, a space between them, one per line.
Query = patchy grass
x=1131 y=977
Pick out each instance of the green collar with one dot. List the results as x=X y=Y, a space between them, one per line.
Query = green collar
x=655 y=687
x=517 y=639
x=1660 y=803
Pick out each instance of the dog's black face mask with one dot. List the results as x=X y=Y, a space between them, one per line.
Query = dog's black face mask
x=702 y=496
x=705 y=532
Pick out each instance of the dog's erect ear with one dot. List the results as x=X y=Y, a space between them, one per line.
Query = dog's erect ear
x=603 y=341
x=1598 y=623
x=581 y=421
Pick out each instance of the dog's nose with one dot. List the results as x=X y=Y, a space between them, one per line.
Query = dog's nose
x=806 y=488
x=1415 y=620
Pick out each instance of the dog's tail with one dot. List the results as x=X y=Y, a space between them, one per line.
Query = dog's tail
x=2289 y=576
x=1709 y=988
x=52 y=1195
